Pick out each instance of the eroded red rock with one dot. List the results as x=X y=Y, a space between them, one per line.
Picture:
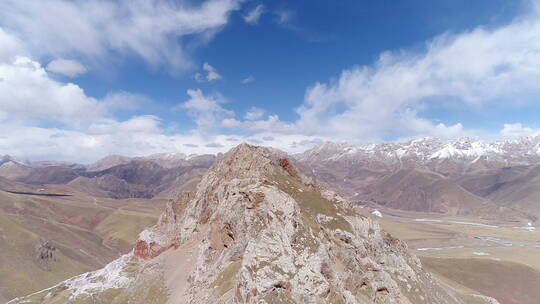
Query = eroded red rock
x=150 y=250
x=287 y=166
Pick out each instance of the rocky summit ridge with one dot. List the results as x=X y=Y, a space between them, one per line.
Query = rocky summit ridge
x=256 y=230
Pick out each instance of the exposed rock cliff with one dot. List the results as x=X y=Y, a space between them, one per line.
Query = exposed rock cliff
x=257 y=231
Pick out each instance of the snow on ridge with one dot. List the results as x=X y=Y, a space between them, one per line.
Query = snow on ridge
x=474 y=150
x=376 y=213
x=150 y=236
x=426 y=149
x=112 y=276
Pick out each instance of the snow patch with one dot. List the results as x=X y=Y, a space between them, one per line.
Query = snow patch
x=150 y=236
x=376 y=213
x=112 y=276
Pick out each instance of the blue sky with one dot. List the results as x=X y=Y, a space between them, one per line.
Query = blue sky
x=83 y=79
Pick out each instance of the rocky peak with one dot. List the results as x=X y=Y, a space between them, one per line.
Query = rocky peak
x=257 y=231
x=244 y=161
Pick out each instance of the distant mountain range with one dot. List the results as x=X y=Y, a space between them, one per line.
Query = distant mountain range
x=456 y=177
x=113 y=176
x=429 y=152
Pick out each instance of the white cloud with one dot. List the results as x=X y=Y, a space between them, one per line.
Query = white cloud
x=100 y=29
x=10 y=47
x=253 y=16
x=211 y=74
x=147 y=124
x=138 y=136
x=125 y=101
x=66 y=67
x=248 y=79
x=271 y=124
x=27 y=92
x=517 y=130
x=254 y=113
x=478 y=69
x=475 y=69
x=206 y=111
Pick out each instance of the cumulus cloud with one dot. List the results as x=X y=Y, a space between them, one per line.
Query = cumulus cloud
x=253 y=16
x=511 y=130
x=206 y=111
x=66 y=67
x=27 y=92
x=10 y=46
x=30 y=98
x=154 y=30
x=391 y=99
x=475 y=69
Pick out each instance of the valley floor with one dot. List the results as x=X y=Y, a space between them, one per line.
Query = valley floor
x=497 y=259
x=45 y=239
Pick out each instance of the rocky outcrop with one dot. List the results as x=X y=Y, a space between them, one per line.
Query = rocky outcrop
x=45 y=253
x=258 y=231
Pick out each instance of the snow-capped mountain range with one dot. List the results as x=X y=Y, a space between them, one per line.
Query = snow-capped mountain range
x=459 y=176
x=524 y=149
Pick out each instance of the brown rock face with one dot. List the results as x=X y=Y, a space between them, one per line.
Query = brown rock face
x=287 y=166
x=145 y=250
